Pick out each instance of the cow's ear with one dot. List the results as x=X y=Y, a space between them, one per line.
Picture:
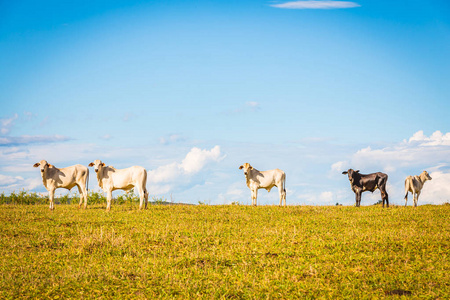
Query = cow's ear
x=102 y=164
x=251 y=168
x=357 y=171
x=345 y=172
x=36 y=165
x=241 y=167
x=91 y=164
x=51 y=166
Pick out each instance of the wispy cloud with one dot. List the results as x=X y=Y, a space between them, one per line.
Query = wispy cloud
x=171 y=139
x=106 y=137
x=250 y=106
x=7 y=123
x=316 y=4
x=6 y=141
x=129 y=116
x=253 y=105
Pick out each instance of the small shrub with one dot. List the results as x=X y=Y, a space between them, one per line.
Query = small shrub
x=96 y=198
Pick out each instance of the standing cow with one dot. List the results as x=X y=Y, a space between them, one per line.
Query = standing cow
x=67 y=178
x=415 y=185
x=264 y=180
x=111 y=179
x=361 y=183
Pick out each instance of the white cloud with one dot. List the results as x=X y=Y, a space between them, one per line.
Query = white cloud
x=236 y=192
x=16 y=183
x=418 y=151
x=436 y=139
x=196 y=159
x=165 y=173
x=9 y=141
x=316 y=4
x=168 y=176
x=323 y=198
x=6 y=180
x=326 y=197
x=339 y=166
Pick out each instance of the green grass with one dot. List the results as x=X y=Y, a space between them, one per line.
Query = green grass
x=224 y=252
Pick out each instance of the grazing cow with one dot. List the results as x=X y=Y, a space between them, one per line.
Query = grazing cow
x=370 y=182
x=111 y=179
x=264 y=180
x=67 y=178
x=415 y=185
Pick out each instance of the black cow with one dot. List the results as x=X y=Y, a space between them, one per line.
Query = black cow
x=361 y=183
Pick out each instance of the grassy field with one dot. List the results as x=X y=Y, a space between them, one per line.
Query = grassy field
x=230 y=251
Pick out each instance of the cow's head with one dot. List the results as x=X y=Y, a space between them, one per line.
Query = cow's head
x=44 y=166
x=426 y=175
x=351 y=174
x=246 y=168
x=97 y=164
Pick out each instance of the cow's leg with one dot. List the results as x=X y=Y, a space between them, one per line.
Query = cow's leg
x=282 y=193
x=139 y=192
x=141 y=197
x=416 y=200
x=384 y=197
x=51 y=198
x=406 y=193
x=414 y=196
x=254 y=196
x=146 y=197
x=83 y=196
x=108 y=200
x=358 y=198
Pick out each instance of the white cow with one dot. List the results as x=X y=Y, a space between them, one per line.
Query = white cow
x=415 y=185
x=111 y=179
x=67 y=178
x=264 y=180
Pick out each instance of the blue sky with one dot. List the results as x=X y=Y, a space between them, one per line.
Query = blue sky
x=192 y=89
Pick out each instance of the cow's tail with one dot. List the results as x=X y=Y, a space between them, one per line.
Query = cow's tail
x=87 y=181
x=87 y=186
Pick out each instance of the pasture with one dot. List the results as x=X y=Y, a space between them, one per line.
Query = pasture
x=202 y=251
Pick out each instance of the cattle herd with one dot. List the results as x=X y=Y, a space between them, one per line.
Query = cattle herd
x=110 y=179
